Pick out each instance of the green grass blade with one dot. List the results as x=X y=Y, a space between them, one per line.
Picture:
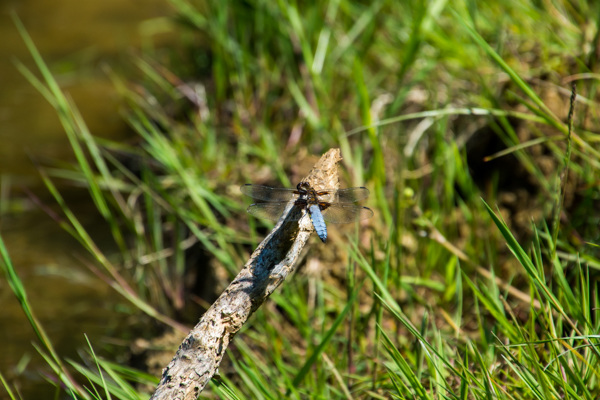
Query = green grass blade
x=326 y=339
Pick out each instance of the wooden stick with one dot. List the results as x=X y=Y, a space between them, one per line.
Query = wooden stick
x=201 y=352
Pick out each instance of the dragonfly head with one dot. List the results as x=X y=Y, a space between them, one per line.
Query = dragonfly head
x=303 y=187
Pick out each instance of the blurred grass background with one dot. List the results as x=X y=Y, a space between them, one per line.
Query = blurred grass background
x=435 y=106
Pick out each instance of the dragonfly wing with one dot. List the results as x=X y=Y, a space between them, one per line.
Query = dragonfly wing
x=267 y=193
x=352 y=195
x=271 y=211
x=346 y=213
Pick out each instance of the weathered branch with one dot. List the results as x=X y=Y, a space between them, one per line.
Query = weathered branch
x=201 y=352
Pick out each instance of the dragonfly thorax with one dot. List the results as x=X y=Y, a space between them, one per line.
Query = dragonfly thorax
x=307 y=193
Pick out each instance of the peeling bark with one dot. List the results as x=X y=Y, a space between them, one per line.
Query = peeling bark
x=201 y=352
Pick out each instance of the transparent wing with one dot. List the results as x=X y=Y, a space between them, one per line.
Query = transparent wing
x=271 y=211
x=348 y=195
x=346 y=213
x=267 y=193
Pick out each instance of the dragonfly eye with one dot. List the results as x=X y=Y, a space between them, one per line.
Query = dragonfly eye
x=303 y=187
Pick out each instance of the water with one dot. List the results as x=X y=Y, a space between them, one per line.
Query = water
x=77 y=39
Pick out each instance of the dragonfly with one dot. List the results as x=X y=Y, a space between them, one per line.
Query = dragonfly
x=333 y=206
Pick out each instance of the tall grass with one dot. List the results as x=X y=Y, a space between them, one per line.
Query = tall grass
x=441 y=294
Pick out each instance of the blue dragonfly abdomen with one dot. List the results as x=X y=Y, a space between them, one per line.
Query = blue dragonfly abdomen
x=318 y=221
